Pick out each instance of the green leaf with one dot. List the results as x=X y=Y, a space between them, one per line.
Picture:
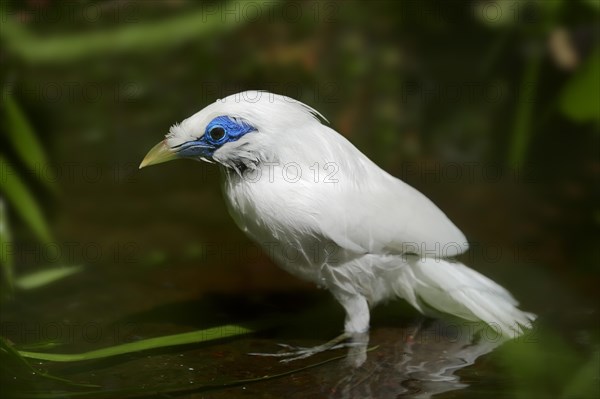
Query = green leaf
x=18 y=368
x=580 y=99
x=6 y=258
x=593 y=3
x=22 y=201
x=46 y=276
x=23 y=139
x=151 y=343
x=533 y=370
x=585 y=382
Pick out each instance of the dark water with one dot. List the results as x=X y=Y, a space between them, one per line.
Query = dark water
x=409 y=356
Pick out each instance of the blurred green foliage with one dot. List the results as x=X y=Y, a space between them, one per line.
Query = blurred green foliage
x=580 y=99
x=551 y=367
x=19 y=133
x=141 y=37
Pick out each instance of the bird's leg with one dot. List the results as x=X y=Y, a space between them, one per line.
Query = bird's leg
x=357 y=312
x=355 y=335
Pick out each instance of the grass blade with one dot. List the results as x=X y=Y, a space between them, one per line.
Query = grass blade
x=14 y=365
x=6 y=259
x=26 y=144
x=151 y=343
x=44 y=277
x=23 y=202
x=522 y=133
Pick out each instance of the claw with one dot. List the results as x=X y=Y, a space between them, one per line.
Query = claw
x=293 y=352
x=282 y=354
x=292 y=347
x=299 y=352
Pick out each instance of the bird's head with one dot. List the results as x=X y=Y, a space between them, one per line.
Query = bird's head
x=238 y=131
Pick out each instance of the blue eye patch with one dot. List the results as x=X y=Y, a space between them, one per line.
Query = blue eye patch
x=221 y=130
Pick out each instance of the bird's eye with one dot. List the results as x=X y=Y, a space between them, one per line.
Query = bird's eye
x=216 y=133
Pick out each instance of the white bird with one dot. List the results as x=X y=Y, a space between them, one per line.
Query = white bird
x=326 y=213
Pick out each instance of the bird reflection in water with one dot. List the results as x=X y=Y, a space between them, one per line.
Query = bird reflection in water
x=420 y=364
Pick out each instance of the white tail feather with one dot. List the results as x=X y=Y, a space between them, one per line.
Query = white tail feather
x=458 y=290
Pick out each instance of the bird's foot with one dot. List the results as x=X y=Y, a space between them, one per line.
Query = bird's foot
x=298 y=352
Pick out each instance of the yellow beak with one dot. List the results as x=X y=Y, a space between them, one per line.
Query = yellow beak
x=158 y=154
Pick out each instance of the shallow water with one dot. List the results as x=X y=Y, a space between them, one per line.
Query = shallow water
x=408 y=356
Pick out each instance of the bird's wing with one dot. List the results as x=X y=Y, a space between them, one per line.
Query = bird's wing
x=373 y=212
x=398 y=219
